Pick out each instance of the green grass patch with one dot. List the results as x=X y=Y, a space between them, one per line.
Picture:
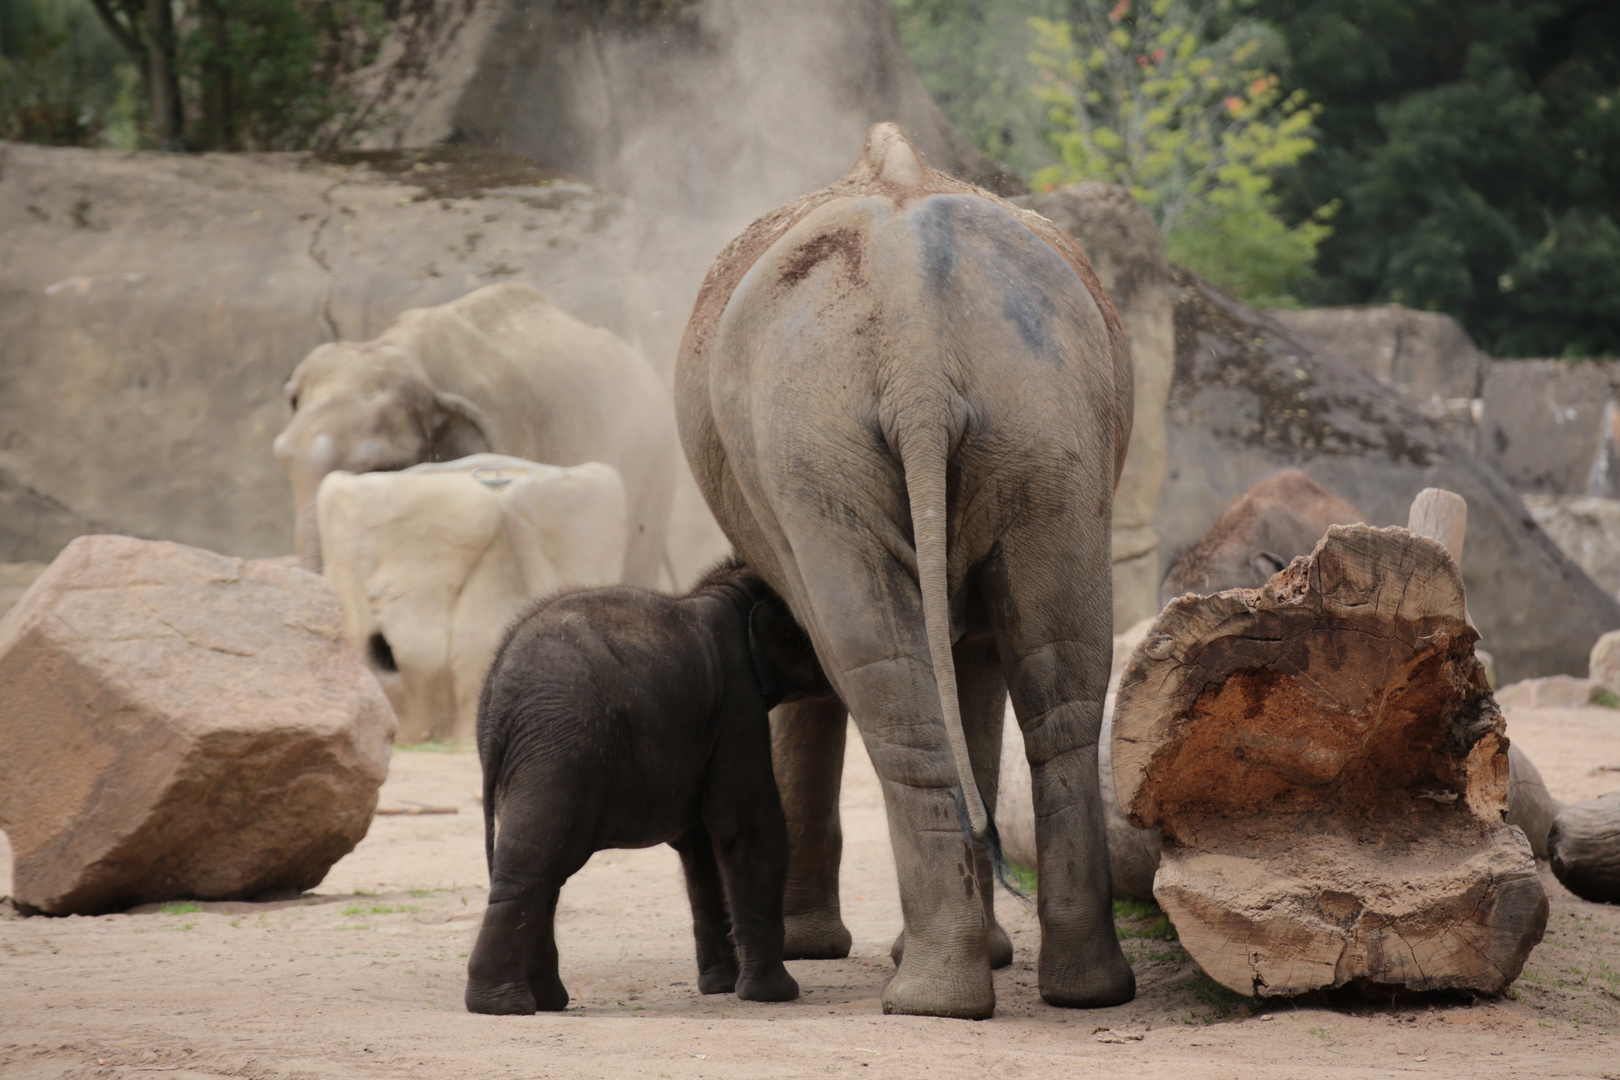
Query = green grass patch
x=180 y=907
x=1022 y=877
x=1215 y=1002
x=377 y=909
x=437 y=746
x=1141 y=919
x=1602 y=695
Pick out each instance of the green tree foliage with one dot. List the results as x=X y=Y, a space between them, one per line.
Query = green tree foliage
x=59 y=81
x=183 y=74
x=973 y=55
x=1475 y=148
x=1143 y=93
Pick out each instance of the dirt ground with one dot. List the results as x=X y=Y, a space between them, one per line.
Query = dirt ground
x=364 y=977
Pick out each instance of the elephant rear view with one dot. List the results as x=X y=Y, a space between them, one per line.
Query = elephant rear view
x=907 y=403
x=501 y=370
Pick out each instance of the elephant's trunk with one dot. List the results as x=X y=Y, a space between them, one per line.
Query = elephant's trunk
x=307 y=534
x=922 y=456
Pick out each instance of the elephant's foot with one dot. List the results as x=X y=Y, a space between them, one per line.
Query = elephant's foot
x=766 y=982
x=999 y=946
x=1089 y=975
x=515 y=999
x=815 y=935
x=717 y=979
x=962 y=992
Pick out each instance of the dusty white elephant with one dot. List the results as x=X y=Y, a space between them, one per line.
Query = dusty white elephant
x=500 y=370
x=432 y=564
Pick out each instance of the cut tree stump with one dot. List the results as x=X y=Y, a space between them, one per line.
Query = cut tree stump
x=1330 y=773
x=1584 y=848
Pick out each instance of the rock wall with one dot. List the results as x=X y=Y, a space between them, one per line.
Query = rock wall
x=153 y=305
x=1547 y=426
x=1248 y=398
x=718 y=108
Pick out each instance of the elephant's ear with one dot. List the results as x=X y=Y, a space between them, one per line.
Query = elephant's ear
x=1267 y=564
x=460 y=428
x=784 y=660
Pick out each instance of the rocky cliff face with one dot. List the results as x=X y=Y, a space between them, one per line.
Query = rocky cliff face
x=713 y=108
x=153 y=305
x=1249 y=398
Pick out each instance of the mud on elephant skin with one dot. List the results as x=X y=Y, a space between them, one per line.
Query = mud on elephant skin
x=622 y=718
x=501 y=370
x=895 y=360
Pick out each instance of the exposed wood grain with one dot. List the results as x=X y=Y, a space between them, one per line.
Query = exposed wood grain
x=1330 y=773
x=1440 y=515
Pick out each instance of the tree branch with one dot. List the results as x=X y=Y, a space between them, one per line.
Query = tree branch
x=127 y=36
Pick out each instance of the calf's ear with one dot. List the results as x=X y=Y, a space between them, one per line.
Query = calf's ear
x=784 y=660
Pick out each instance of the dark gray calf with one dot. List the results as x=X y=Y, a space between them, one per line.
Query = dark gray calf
x=622 y=718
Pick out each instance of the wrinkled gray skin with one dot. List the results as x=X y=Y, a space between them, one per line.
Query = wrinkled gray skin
x=622 y=718
x=1257 y=534
x=908 y=411
x=501 y=370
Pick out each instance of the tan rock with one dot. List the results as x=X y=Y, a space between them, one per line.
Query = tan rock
x=180 y=724
x=1604 y=665
x=433 y=563
x=1552 y=692
x=14 y=581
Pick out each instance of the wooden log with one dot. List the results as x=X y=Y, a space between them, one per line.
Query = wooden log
x=1330 y=773
x=1530 y=805
x=1440 y=515
x=1584 y=848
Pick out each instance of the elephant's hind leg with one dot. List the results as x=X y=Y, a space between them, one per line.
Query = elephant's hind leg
x=513 y=967
x=1049 y=604
x=983 y=696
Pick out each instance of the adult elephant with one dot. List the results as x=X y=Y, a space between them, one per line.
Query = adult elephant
x=501 y=370
x=907 y=403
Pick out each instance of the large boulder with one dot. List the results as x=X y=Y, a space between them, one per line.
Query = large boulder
x=180 y=724
x=1425 y=356
x=432 y=564
x=716 y=108
x=1547 y=425
x=1248 y=398
x=1125 y=248
x=1587 y=528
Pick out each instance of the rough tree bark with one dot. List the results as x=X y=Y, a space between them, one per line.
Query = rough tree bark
x=144 y=29
x=1584 y=848
x=1330 y=772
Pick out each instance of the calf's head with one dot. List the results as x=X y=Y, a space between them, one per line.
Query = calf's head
x=366 y=407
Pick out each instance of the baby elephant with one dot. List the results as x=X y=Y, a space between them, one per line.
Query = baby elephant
x=621 y=718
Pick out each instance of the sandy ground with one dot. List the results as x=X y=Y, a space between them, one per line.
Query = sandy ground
x=364 y=977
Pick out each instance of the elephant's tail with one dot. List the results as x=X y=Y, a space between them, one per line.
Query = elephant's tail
x=922 y=456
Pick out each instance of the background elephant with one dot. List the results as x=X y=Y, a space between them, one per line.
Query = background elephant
x=908 y=403
x=432 y=564
x=500 y=370
x=1257 y=534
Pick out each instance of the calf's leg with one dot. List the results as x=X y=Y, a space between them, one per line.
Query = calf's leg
x=716 y=957
x=513 y=967
x=743 y=815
